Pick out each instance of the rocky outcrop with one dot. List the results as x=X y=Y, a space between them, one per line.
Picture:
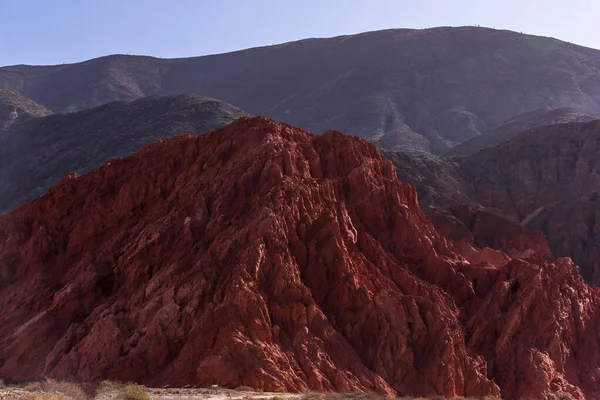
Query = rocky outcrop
x=36 y=154
x=417 y=91
x=261 y=255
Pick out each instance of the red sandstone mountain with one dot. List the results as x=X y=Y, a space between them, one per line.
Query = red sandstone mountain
x=262 y=255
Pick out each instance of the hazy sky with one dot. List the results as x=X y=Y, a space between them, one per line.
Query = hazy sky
x=57 y=31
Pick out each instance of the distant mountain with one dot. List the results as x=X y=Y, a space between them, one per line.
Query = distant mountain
x=408 y=90
x=16 y=107
x=37 y=153
x=515 y=125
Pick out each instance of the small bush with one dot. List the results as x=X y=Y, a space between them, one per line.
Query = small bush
x=69 y=389
x=35 y=386
x=109 y=386
x=134 y=392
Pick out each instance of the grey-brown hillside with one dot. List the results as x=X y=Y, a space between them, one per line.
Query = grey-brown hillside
x=409 y=90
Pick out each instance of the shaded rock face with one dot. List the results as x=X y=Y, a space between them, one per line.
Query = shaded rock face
x=544 y=179
x=36 y=154
x=261 y=255
x=438 y=180
x=514 y=126
x=573 y=230
x=417 y=91
x=547 y=179
x=536 y=168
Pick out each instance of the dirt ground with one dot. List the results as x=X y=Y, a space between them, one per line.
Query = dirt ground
x=54 y=390
x=15 y=393
x=205 y=394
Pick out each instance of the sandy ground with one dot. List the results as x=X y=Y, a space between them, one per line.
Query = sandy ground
x=207 y=394
x=9 y=393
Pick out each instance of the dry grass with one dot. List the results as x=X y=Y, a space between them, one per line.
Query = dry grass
x=134 y=392
x=109 y=386
x=51 y=389
x=45 y=396
x=124 y=391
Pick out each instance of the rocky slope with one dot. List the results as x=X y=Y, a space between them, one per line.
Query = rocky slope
x=514 y=126
x=438 y=181
x=410 y=90
x=538 y=167
x=15 y=107
x=36 y=154
x=262 y=255
x=573 y=229
x=545 y=179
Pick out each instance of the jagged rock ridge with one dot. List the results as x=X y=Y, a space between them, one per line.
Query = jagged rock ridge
x=417 y=91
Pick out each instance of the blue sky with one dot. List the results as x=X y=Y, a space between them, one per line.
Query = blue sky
x=59 y=31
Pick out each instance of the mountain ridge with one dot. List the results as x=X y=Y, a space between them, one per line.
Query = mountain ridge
x=341 y=36
x=420 y=91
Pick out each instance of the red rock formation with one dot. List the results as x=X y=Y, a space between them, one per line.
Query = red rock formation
x=262 y=255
